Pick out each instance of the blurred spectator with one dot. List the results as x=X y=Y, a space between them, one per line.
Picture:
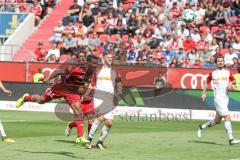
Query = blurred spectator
x=213 y=47
x=175 y=63
x=69 y=45
x=220 y=35
x=210 y=63
x=139 y=43
x=94 y=41
x=52 y=59
x=58 y=32
x=176 y=43
x=74 y=11
x=81 y=29
x=141 y=12
x=180 y=55
x=121 y=25
x=228 y=58
x=235 y=63
x=236 y=45
x=189 y=44
x=88 y=21
x=54 y=51
x=39 y=77
x=44 y=5
x=196 y=36
x=132 y=57
x=10 y=8
x=193 y=55
x=187 y=63
x=82 y=42
x=132 y=24
x=37 y=10
x=110 y=23
x=95 y=9
x=200 y=13
x=168 y=55
x=183 y=32
x=208 y=38
x=197 y=64
x=154 y=42
x=40 y=52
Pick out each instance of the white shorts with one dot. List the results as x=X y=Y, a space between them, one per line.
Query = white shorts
x=221 y=104
x=103 y=104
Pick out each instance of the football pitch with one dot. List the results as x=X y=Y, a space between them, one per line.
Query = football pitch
x=40 y=136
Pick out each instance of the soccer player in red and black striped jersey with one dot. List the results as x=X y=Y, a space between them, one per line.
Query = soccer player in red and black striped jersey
x=87 y=104
x=73 y=83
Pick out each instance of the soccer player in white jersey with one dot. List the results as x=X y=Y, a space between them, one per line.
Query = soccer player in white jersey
x=221 y=79
x=106 y=81
x=2 y=132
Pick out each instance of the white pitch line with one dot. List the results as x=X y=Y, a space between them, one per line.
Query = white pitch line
x=20 y=120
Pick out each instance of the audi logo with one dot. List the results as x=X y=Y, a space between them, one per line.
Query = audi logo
x=194 y=80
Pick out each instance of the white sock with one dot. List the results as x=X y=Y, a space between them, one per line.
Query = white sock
x=105 y=131
x=2 y=132
x=228 y=128
x=210 y=123
x=94 y=127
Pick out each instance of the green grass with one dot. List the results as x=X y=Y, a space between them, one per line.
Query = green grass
x=40 y=136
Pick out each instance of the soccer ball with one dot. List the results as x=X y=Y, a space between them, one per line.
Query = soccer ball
x=188 y=15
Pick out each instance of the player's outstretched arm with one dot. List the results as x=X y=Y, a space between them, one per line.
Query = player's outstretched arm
x=4 y=89
x=119 y=84
x=205 y=85
x=55 y=73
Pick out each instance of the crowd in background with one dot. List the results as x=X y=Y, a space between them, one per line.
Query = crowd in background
x=148 y=32
x=40 y=8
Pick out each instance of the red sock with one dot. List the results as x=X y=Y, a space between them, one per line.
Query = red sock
x=27 y=99
x=89 y=126
x=72 y=124
x=79 y=125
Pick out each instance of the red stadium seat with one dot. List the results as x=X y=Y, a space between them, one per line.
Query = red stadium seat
x=63 y=58
x=135 y=37
x=112 y=38
x=126 y=6
x=124 y=37
x=204 y=28
x=214 y=29
x=224 y=51
x=103 y=37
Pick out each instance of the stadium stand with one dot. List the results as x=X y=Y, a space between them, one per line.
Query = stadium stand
x=141 y=32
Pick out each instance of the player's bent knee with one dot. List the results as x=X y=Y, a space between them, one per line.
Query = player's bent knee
x=227 y=118
x=108 y=123
x=100 y=118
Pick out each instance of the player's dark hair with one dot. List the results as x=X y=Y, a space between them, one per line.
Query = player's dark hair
x=218 y=57
x=238 y=69
x=106 y=53
x=91 y=57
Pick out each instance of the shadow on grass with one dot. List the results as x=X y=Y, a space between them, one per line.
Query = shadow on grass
x=65 y=141
x=67 y=154
x=207 y=142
